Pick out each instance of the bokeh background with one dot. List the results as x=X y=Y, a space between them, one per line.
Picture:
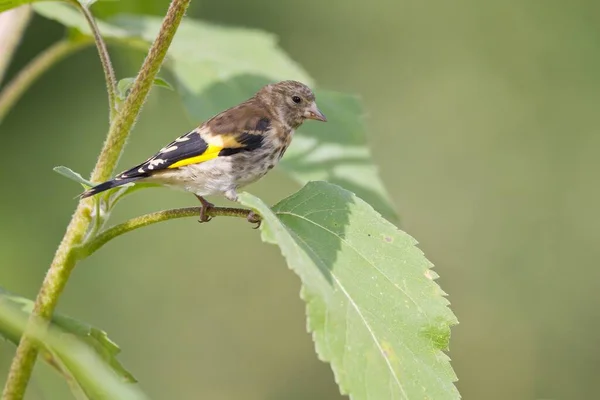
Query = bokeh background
x=483 y=117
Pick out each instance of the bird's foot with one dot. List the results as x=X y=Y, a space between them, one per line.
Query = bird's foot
x=206 y=205
x=254 y=218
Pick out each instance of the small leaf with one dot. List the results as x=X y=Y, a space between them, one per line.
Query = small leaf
x=162 y=83
x=373 y=308
x=97 y=339
x=74 y=176
x=125 y=84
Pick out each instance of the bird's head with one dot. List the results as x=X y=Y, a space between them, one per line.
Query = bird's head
x=293 y=101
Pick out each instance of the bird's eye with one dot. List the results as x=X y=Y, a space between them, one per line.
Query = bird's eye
x=296 y=99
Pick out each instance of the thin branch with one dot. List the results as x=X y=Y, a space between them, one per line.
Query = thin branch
x=109 y=72
x=65 y=257
x=121 y=126
x=153 y=218
x=12 y=26
x=36 y=67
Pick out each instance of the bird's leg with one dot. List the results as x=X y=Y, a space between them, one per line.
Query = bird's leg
x=252 y=217
x=206 y=205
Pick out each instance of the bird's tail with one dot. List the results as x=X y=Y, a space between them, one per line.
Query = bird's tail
x=108 y=185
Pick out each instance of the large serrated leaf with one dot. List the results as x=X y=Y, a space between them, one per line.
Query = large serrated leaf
x=227 y=52
x=375 y=312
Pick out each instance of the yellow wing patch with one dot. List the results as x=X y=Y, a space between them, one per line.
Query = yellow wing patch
x=211 y=152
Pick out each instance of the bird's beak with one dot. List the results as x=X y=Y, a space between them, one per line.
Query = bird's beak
x=314 y=113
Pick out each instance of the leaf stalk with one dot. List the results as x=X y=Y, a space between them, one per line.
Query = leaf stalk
x=109 y=72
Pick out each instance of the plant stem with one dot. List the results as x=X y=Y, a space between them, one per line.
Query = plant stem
x=109 y=72
x=12 y=26
x=36 y=67
x=153 y=218
x=64 y=259
x=119 y=129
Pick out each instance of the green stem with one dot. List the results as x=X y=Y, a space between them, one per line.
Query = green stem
x=121 y=126
x=109 y=72
x=153 y=218
x=12 y=26
x=36 y=67
x=65 y=257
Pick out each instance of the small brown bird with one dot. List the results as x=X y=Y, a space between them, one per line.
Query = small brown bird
x=230 y=150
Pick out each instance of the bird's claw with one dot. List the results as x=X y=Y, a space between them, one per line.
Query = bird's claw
x=206 y=205
x=254 y=218
x=203 y=216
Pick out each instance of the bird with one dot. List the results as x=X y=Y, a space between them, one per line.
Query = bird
x=230 y=150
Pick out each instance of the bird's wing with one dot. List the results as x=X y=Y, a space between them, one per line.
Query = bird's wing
x=242 y=128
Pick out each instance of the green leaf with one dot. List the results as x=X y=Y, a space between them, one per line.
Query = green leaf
x=8 y=4
x=228 y=53
x=160 y=82
x=87 y=374
x=373 y=307
x=72 y=175
x=203 y=53
x=67 y=15
x=95 y=338
x=125 y=84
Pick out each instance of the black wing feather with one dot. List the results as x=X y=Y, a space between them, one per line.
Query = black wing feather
x=184 y=147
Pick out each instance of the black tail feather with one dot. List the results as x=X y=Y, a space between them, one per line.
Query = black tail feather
x=107 y=185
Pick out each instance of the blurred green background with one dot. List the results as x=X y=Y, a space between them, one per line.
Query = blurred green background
x=483 y=118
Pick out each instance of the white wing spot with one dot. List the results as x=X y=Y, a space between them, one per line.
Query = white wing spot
x=168 y=149
x=182 y=139
x=155 y=162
